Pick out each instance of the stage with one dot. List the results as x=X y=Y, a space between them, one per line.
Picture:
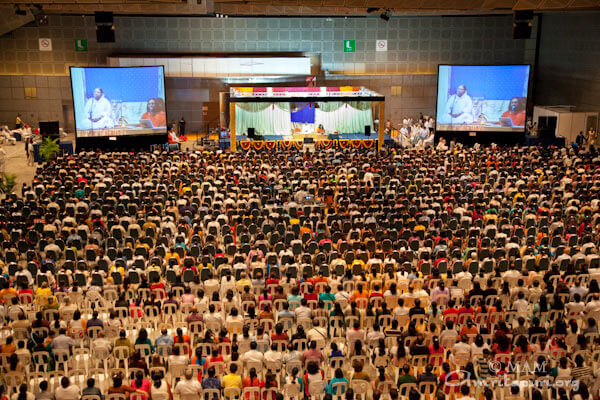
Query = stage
x=327 y=115
x=320 y=144
x=314 y=136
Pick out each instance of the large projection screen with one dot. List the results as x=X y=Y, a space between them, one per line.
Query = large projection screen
x=119 y=101
x=482 y=98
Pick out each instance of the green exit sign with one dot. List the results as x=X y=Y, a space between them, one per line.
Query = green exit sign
x=80 y=45
x=349 y=46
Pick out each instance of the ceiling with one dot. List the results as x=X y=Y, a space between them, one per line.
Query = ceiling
x=359 y=7
x=303 y=7
x=159 y=7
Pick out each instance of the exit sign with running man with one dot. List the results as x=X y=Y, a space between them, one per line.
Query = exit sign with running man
x=349 y=46
x=81 y=45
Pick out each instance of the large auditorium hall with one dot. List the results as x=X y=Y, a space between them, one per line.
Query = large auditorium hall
x=299 y=200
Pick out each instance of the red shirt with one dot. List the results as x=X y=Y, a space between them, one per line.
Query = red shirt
x=213 y=360
x=282 y=336
x=450 y=311
x=247 y=382
x=465 y=310
x=158 y=285
x=311 y=296
x=439 y=260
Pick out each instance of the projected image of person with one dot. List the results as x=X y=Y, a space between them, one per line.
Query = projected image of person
x=155 y=112
x=516 y=111
x=98 y=111
x=460 y=107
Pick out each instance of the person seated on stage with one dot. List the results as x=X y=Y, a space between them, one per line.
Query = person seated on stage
x=98 y=112
x=429 y=138
x=320 y=129
x=516 y=112
x=7 y=136
x=155 y=112
x=173 y=136
x=441 y=146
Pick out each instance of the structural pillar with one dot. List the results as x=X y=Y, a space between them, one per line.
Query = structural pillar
x=233 y=145
x=381 y=124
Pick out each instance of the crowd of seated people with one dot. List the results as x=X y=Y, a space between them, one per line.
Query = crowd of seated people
x=411 y=273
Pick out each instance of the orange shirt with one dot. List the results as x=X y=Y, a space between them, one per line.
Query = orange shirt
x=518 y=118
x=360 y=295
x=305 y=229
x=158 y=119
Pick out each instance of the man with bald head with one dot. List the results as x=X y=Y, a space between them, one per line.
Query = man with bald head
x=98 y=112
x=188 y=388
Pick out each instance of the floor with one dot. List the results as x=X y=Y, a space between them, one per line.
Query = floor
x=16 y=163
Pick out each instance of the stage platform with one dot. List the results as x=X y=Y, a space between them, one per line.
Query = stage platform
x=315 y=136
x=344 y=142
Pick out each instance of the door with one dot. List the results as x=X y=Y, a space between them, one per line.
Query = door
x=591 y=122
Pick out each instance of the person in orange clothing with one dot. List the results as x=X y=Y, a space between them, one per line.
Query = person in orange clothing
x=155 y=112
x=181 y=338
x=173 y=254
x=516 y=112
x=305 y=229
x=468 y=329
x=360 y=292
x=7 y=290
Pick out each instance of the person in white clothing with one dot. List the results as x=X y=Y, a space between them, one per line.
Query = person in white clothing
x=459 y=108
x=188 y=389
x=2 y=159
x=442 y=146
x=404 y=136
x=66 y=391
x=160 y=389
x=98 y=112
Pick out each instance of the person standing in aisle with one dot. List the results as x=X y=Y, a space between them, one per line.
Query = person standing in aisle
x=29 y=151
x=182 y=127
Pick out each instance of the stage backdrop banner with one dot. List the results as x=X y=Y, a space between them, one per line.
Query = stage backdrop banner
x=303 y=113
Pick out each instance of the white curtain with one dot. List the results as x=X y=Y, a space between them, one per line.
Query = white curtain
x=344 y=120
x=280 y=115
x=271 y=119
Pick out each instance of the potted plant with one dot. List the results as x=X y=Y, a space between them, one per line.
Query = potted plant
x=7 y=183
x=49 y=149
